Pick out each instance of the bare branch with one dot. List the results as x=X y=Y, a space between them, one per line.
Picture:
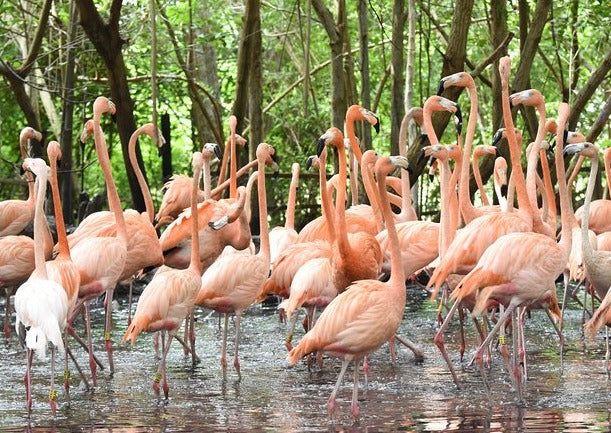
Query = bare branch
x=600 y=123
x=27 y=65
x=586 y=92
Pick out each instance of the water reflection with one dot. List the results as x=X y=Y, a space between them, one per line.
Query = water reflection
x=406 y=397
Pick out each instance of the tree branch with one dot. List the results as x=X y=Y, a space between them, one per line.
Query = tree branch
x=586 y=92
x=600 y=123
x=494 y=56
x=115 y=14
x=28 y=63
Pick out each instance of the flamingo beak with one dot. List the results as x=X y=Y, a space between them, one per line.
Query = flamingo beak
x=320 y=145
x=377 y=124
x=498 y=135
x=497 y=152
x=431 y=162
x=458 y=115
x=401 y=161
x=308 y=163
x=441 y=87
x=220 y=223
x=572 y=149
x=217 y=152
x=423 y=138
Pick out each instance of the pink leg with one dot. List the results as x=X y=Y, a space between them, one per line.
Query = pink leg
x=108 y=329
x=503 y=342
x=194 y=357
x=236 y=361
x=224 y=346
x=517 y=369
x=52 y=391
x=393 y=349
x=418 y=354
x=92 y=364
x=331 y=404
x=7 y=313
x=164 y=374
x=129 y=302
x=156 y=344
x=66 y=371
x=354 y=407
x=438 y=339
x=185 y=348
x=461 y=319
x=28 y=381
x=158 y=374
x=289 y=336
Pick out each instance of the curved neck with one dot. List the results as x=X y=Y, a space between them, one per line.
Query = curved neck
x=374 y=199
x=206 y=175
x=113 y=196
x=325 y=196
x=233 y=176
x=247 y=201
x=146 y=194
x=289 y=221
x=354 y=181
x=263 y=227
x=340 y=202
x=549 y=189
x=406 y=196
x=586 y=247
x=217 y=191
x=499 y=194
x=452 y=201
x=478 y=180
x=62 y=239
x=608 y=170
x=531 y=175
x=39 y=226
x=354 y=145
x=566 y=211
x=467 y=209
x=447 y=234
x=194 y=264
x=514 y=151
x=397 y=274
x=223 y=166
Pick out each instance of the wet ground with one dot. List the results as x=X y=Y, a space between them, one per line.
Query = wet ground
x=404 y=396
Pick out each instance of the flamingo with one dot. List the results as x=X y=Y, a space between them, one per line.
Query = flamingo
x=408 y=213
x=470 y=242
x=167 y=300
x=535 y=263
x=282 y=237
x=500 y=180
x=478 y=152
x=41 y=304
x=357 y=256
x=232 y=282
x=600 y=210
x=61 y=269
x=364 y=316
x=601 y=317
x=15 y=215
x=101 y=259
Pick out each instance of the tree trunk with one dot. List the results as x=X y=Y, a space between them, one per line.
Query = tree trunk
x=255 y=82
x=364 y=66
x=108 y=43
x=397 y=85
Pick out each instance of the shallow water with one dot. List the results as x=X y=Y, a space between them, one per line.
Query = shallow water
x=404 y=396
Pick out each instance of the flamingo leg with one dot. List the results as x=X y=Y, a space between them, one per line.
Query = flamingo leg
x=78 y=368
x=354 y=407
x=156 y=344
x=608 y=365
x=28 y=380
x=129 y=301
x=84 y=345
x=185 y=348
x=289 y=336
x=522 y=340
x=7 y=313
x=438 y=339
x=236 y=361
x=516 y=375
x=194 y=357
x=461 y=319
x=52 y=391
x=108 y=329
x=365 y=371
x=224 y=346
x=558 y=330
x=418 y=353
x=393 y=349
x=164 y=374
x=66 y=371
x=331 y=404
x=92 y=364
x=158 y=375
x=503 y=342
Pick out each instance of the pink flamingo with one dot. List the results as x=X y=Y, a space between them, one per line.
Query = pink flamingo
x=366 y=315
x=282 y=237
x=41 y=304
x=478 y=152
x=168 y=298
x=231 y=283
x=101 y=260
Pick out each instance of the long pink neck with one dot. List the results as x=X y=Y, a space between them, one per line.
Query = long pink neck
x=289 y=222
x=549 y=189
x=206 y=176
x=586 y=247
x=263 y=227
x=566 y=212
x=223 y=166
x=469 y=212
x=62 y=239
x=374 y=199
x=452 y=201
x=448 y=234
x=354 y=145
x=608 y=169
x=113 y=196
x=515 y=152
x=325 y=195
x=219 y=189
x=146 y=193
x=39 y=226
x=340 y=203
x=478 y=179
x=406 y=196
x=397 y=275
x=194 y=264
x=531 y=175
x=354 y=178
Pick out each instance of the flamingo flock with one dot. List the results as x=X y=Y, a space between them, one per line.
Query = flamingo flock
x=347 y=268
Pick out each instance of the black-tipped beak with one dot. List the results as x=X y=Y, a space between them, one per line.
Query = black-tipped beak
x=458 y=115
x=565 y=136
x=113 y=117
x=218 y=153
x=423 y=138
x=441 y=88
x=308 y=163
x=497 y=152
x=275 y=158
x=572 y=149
x=320 y=145
x=276 y=173
x=510 y=102
x=409 y=169
x=431 y=162
x=504 y=190
x=420 y=157
x=497 y=137
x=552 y=145
x=377 y=125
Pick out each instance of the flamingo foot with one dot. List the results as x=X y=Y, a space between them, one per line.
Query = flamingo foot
x=156 y=380
x=331 y=407
x=356 y=413
x=93 y=367
x=166 y=389
x=288 y=342
x=236 y=365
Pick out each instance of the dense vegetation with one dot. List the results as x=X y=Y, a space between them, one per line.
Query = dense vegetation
x=198 y=63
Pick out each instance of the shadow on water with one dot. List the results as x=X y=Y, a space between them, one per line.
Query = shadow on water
x=404 y=396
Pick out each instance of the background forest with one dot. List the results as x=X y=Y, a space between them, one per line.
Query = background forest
x=288 y=69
